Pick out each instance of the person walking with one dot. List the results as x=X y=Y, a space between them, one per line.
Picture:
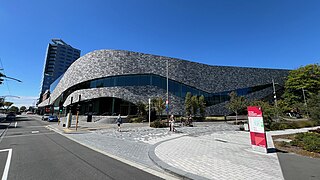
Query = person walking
x=119 y=122
x=172 y=120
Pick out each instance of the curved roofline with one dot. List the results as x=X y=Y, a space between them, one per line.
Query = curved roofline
x=103 y=63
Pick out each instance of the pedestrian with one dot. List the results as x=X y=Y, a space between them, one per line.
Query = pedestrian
x=119 y=122
x=190 y=120
x=172 y=120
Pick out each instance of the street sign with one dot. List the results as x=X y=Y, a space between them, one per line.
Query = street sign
x=256 y=127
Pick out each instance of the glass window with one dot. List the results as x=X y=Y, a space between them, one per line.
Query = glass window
x=183 y=91
x=107 y=82
x=132 y=80
x=156 y=81
x=100 y=83
x=144 y=80
x=174 y=88
x=93 y=84
x=120 y=81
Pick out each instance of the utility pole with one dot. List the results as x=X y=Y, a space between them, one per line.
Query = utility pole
x=275 y=98
x=167 y=102
x=305 y=102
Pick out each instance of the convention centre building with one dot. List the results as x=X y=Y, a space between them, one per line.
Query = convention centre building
x=106 y=82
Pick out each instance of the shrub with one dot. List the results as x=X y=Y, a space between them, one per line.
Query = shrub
x=136 y=119
x=278 y=126
x=302 y=124
x=315 y=131
x=291 y=125
x=308 y=141
x=158 y=124
x=283 y=144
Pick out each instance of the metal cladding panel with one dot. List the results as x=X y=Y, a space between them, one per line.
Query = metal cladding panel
x=104 y=63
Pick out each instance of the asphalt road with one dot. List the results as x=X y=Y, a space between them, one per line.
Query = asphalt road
x=296 y=167
x=38 y=153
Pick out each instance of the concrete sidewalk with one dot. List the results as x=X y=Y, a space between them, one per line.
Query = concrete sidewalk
x=206 y=151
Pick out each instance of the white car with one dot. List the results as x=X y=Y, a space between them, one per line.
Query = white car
x=45 y=117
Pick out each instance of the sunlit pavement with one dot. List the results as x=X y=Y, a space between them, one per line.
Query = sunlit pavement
x=206 y=151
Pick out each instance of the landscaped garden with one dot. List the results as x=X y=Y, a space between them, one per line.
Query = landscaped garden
x=306 y=144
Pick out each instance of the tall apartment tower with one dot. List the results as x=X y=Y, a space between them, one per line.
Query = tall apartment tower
x=59 y=57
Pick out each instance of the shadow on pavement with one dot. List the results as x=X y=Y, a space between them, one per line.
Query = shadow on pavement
x=3 y=126
x=275 y=150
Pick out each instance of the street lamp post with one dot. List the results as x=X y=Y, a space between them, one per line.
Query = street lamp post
x=149 y=112
x=7 y=77
x=167 y=102
x=305 y=102
x=275 y=98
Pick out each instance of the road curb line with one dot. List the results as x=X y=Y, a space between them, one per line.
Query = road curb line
x=178 y=172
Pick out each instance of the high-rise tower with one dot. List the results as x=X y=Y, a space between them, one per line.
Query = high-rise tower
x=59 y=57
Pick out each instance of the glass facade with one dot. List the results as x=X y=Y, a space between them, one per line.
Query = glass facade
x=176 y=88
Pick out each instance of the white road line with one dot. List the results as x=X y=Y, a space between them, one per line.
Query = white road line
x=34 y=132
x=6 y=169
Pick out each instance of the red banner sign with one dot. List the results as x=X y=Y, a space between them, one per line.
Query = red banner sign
x=256 y=127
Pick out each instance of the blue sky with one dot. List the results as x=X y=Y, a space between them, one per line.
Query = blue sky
x=249 y=33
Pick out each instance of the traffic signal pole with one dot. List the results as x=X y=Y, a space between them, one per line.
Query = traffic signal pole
x=77 y=120
x=58 y=118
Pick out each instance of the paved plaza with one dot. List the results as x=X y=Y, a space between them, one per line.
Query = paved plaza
x=206 y=151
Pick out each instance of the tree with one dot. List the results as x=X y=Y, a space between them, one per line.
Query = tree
x=13 y=109
x=202 y=106
x=194 y=104
x=268 y=111
x=314 y=107
x=236 y=103
x=159 y=104
x=305 y=79
x=7 y=105
x=187 y=103
x=23 y=108
x=1 y=101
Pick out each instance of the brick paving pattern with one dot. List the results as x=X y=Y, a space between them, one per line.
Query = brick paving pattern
x=209 y=150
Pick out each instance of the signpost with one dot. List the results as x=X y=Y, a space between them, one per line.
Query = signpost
x=256 y=127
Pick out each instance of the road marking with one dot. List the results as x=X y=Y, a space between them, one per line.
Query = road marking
x=15 y=124
x=34 y=132
x=6 y=169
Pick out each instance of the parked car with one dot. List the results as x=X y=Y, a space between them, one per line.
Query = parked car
x=11 y=116
x=53 y=118
x=45 y=117
x=29 y=112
